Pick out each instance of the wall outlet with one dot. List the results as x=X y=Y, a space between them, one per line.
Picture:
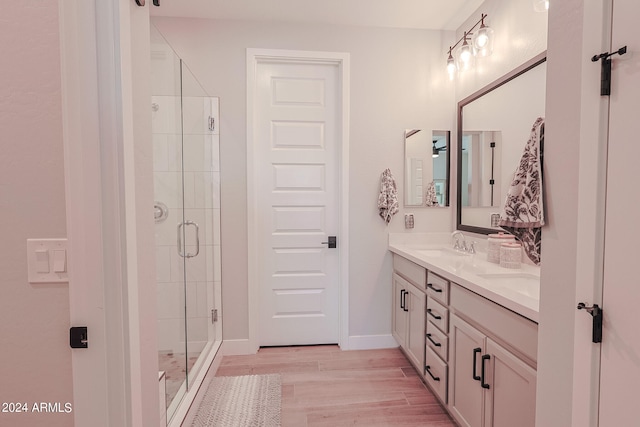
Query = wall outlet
x=408 y=220
x=495 y=219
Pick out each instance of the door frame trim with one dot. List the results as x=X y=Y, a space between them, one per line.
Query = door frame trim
x=342 y=60
x=113 y=381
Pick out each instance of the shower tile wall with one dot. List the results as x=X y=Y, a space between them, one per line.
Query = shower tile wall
x=200 y=159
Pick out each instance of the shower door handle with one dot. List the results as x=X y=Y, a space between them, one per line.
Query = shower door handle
x=189 y=255
x=179 y=243
x=181 y=251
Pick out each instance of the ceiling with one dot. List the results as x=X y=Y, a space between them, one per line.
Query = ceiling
x=422 y=14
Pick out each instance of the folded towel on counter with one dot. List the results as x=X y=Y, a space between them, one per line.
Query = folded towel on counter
x=430 y=198
x=388 y=198
x=523 y=212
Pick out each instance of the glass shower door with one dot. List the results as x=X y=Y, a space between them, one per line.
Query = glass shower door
x=169 y=195
x=187 y=214
x=202 y=218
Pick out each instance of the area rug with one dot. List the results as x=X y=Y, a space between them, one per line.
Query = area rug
x=246 y=401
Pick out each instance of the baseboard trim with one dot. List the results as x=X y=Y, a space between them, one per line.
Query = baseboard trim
x=236 y=347
x=371 y=342
x=356 y=342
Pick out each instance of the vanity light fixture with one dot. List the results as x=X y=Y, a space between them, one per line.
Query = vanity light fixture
x=483 y=39
x=481 y=45
x=465 y=54
x=541 y=5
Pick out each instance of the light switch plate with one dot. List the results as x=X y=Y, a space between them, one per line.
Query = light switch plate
x=51 y=251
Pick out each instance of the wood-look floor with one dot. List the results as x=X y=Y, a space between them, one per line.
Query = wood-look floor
x=324 y=386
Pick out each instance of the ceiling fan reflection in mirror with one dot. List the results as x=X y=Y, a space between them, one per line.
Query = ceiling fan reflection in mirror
x=436 y=150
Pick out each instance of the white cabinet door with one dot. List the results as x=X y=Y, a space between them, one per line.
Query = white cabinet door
x=400 y=316
x=465 y=393
x=416 y=302
x=511 y=397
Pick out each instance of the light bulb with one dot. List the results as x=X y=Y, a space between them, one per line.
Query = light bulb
x=465 y=53
x=483 y=40
x=451 y=65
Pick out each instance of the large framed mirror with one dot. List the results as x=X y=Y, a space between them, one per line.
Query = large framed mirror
x=426 y=168
x=494 y=124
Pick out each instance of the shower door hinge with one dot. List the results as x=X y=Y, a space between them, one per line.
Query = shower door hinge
x=214 y=315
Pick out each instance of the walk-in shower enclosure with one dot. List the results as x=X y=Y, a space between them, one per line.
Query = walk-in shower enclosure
x=186 y=211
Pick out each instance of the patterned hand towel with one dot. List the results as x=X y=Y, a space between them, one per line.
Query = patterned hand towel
x=388 y=198
x=523 y=213
x=430 y=198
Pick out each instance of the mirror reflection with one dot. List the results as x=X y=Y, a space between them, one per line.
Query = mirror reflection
x=493 y=127
x=426 y=177
x=481 y=164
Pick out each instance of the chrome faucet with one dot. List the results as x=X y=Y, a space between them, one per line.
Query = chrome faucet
x=456 y=241
x=472 y=248
x=462 y=246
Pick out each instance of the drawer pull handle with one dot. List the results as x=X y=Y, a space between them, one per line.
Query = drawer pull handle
x=433 y=315
x=475 y=362
x=437 y=344
x=428 y=369
x=482 y=383
x=429 y=285
x=404 y=301
x=402 y=291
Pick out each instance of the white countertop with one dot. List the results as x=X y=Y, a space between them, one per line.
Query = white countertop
x=516 y=289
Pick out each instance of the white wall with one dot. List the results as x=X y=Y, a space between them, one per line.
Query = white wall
x=34 y=319
x=397 y=83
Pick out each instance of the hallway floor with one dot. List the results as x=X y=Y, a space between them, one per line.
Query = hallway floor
x=324 y=386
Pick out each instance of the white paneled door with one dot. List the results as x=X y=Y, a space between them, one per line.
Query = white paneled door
x=296 y=135
x=620 y=358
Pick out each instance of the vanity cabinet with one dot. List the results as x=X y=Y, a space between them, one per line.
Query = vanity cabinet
x=478 y=357
x=409 y=309
x=408 y=319
x=492 y=379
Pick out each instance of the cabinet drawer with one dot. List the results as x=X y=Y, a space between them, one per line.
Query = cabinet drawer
x=438 y=314
x=435 y=372
x=438 y=288
x=410 y=271
x=438 y=341
x=518 y=333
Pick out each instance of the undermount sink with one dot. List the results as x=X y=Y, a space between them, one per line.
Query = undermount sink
x=443 y=252
x=522 y=283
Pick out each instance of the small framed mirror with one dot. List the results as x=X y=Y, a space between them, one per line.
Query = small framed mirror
x=426 y=170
